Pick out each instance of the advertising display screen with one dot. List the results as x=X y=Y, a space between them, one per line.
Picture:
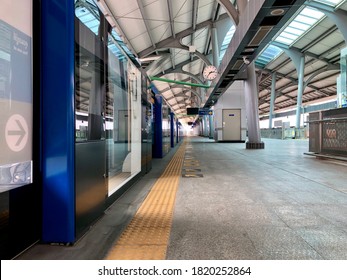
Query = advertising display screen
x=16 y=108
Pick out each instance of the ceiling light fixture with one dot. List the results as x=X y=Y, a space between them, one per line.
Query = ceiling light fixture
x=277 y=12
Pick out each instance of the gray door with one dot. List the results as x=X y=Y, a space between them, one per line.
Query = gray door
x=231 y=124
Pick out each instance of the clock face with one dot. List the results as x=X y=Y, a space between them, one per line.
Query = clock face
x=210 y=72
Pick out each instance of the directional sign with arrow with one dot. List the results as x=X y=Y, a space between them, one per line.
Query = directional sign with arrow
x=16 y=133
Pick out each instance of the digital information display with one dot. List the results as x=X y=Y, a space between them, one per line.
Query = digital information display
x=16 y=102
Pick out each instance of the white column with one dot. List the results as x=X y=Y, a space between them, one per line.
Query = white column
x=301 y=75
x=215 y=49
x=272 y=99
x=252 y=110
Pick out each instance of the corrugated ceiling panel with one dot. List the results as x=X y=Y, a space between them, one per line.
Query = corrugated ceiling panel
x=182 y=12
x=326 y=78
x=159 y=85
x=181 y=57
x=176 y=90
x=172 y=101
x=314 y=66
x=157 y=13
x=186 y=40
x=161 y=32
x=183 y=23
x=302 y=43
x=133 y=24
x=281 y=99
x=264 y=93
x=194 y=67
x=140 y=42
x=180 y=52
x=122 y=8
x=326 y=23
x=181 y=6
x=334 y=53
x=205 y=10
x=273 y=64
x=291 y=90
x=282 y=82
x=326 y=44
x=287 y=68
x=200 y=39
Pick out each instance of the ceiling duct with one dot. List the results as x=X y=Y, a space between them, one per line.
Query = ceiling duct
x=270 y=21
x=237 y=64
x=260 y=35
x=248 y=51
x=225 y=83
x=282 y=3
x=258 y=25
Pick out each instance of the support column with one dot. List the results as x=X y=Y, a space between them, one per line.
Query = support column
x=299 y=63
x=172 y=130
x=211 y=133
x=241 y=5
x=206 y=126
x=252 y=109
x=215 y=49
x=339 y=17
x=272 y=99
x=58 y=125
x=342 y=81
x=301 y=75
x=158 y=127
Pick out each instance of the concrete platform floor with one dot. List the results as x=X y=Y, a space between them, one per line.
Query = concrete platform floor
x=273 y=204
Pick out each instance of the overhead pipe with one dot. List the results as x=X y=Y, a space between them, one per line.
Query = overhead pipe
x=178 y=82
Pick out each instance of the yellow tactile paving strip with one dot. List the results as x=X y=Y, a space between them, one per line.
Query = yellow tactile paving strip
x=147 y=235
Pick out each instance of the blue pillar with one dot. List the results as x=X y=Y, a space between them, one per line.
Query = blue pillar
x=158 y=127
x=172 y=130
x=58 y=126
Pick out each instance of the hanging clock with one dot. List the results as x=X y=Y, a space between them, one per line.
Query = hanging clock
x=210 y=72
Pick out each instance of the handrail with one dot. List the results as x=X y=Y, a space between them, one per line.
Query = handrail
x=328 y=120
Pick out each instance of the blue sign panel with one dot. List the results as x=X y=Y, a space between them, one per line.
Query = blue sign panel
x=204 y=112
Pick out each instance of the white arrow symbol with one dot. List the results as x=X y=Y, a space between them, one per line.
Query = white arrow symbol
x=21 y=133
x=16 y=133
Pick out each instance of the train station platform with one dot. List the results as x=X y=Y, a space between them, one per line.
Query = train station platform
x=223 y=202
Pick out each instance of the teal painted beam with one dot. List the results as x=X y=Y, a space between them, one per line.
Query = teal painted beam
x=178 y=82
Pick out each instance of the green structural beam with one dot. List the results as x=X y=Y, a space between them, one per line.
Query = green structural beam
x=178 y=82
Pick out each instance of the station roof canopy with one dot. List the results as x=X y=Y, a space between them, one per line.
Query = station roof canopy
x=172 y=40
